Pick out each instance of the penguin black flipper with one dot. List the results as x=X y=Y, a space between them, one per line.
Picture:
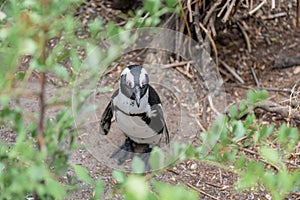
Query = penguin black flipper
x=107 y=116
x=156 y=121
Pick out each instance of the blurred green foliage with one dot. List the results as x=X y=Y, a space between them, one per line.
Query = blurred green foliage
x=26 y=27
x=235 y=134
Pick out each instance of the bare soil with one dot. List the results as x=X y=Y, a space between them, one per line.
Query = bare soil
x=271 y=39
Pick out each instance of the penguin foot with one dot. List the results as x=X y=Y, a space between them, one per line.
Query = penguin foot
x=124 y=152
x=144 y=154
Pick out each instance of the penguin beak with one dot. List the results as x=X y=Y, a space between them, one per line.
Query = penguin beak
x=137 y=94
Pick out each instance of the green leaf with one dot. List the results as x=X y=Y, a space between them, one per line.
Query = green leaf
x=243 y=109
x=20 y=75
x=112 y=29
x=266 y=131
x=156 y=159
x=296 y=176
x=212 y=136
x=119 y=176
x=2 y=167
x=190 y=152
x=270 y=155
x=61 y=71
x=36 y=173
x=98 y=189
x=240 y=163
x=83 y=174
x=171 y=3
x=233 y=112
x=288 y=137
x=138 y=165
x=170 y=192
x=238 y=130
x=269 y=180
x=152 y=6
x=250 y=176
x=95 y=26
x=249 y=121
x=238 y=112
x=255 y=97
x=285 y=181
x=136 y=188
x=75 y=60
x=55 y=188
x=178 y=149
x=29 y=46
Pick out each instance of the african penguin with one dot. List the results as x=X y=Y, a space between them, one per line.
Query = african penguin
x=138 y=112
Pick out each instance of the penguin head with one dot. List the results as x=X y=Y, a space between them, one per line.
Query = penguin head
x=134 y=82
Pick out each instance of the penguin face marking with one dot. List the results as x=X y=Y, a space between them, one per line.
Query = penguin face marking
x=134 y=82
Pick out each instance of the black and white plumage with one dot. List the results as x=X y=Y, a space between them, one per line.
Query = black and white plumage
x=137 y=109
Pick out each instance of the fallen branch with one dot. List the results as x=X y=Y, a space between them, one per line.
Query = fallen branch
x=273 y=107
x=286 y=62
x=284 y=111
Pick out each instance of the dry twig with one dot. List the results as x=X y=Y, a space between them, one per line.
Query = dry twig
x=232 y=72
x=210 y=12
x=213 y=44
x=251 y=12
x=256 y=154
x=196 y=22
x=184 y=72
x=255 y=77
x=223 y=8
x=273 y=16
x=177 y=64
x=190 y=10
x=201 y=191
x=293 y=96
x=247 y=40
x=184 y=18
x=225 y=18
x=298 y=13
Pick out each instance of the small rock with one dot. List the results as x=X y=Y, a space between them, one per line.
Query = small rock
x=297 y=70
x=194 y=166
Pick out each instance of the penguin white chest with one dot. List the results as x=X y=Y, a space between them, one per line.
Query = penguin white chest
x=129 y=119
